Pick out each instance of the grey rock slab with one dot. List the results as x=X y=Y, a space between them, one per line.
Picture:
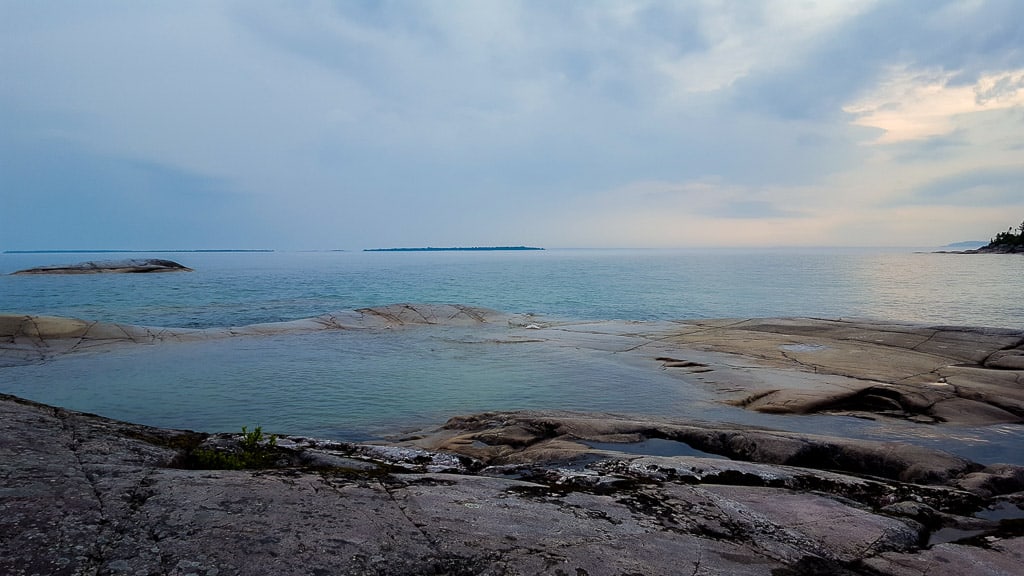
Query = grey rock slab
x=862 y=367
x=82 y=494
x=127 y=266
x=837 y=529
x=998 y=557
x=509 y=437
x=241 y=522
x=526 y=528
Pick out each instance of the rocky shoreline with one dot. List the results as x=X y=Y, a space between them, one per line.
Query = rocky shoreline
x=545 y=492
x=510 y=493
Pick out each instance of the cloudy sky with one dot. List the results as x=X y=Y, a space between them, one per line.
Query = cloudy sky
x=327 y=125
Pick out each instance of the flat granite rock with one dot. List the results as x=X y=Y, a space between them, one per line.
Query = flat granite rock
x=129 y=266
x=929 y=374
x=29 y=338
x=83 y=494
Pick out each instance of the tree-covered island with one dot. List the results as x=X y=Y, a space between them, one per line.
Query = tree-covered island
x=1008 y=242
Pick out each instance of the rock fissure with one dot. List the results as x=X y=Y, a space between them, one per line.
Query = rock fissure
x=813 y=367
x=1016 y=345
x=418 y=526
x=647 y=342
x=422 y=316
x=98 y=548
x=696 y=563
x=925 y=341
x=472 y=313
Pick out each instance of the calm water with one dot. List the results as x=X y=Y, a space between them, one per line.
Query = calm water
x=357 y=385
x=244 y=288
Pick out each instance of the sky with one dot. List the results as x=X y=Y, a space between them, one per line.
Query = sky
x=349 y=125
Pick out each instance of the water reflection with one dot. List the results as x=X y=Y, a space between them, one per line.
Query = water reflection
x=357 y=385
x=951 y=289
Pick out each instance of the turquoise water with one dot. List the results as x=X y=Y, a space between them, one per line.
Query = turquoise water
x=360 y=384
x=230 y=289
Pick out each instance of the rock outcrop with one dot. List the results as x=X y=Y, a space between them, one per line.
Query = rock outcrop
x=929 y=374
x=542 y=492
x=87 y=495
x=130 y=266
x=29 y=338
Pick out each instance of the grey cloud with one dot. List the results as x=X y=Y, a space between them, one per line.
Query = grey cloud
x=1005 y=88
x=993 y=186
x=919 y=33
x=751 y=209
x=302 y=114
x=93 y=201
x=935 y=148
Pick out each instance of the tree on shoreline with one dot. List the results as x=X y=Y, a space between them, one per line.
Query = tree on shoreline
x=1008 y=239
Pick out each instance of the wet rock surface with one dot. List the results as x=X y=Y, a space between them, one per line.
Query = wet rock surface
x=927 y=374
x=497 y=493
x=129 y=266
x=31 y=338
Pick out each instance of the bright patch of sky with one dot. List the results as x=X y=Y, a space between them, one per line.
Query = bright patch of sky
x=921 y=105
x=306 y=125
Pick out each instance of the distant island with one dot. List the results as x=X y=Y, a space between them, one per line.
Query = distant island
x=132 y=266
x=126 y=251
x=967 y=244
x=454 y=249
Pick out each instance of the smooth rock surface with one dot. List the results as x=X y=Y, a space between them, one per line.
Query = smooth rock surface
x=30 y=338
x=929 y=374
x=129 y=266
x=87 y=495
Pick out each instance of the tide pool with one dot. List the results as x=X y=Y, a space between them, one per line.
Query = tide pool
x=367 y=384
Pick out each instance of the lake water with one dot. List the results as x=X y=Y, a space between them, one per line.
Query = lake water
x=358 y=385
x=230 y=289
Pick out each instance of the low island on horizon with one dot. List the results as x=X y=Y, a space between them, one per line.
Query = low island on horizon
x=454 y=249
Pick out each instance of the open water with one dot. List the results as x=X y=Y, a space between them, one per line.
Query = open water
x=359 y=385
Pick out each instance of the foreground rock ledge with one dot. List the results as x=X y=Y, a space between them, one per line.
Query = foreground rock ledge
x=87 y=495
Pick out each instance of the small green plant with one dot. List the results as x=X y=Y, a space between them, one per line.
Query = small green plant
x=254 y=451
x=252 y=441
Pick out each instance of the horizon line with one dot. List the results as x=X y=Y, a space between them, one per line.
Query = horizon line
x=491 y=248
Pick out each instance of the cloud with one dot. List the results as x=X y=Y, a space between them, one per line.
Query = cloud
x=917 y=105
x=352 y=124
x=85 y=201
x=985 y=186
x=861 y=50
x=754 y=39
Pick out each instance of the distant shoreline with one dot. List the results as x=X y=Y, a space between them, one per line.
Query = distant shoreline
x=984 y=250
x=122 y=251
x=454 y=249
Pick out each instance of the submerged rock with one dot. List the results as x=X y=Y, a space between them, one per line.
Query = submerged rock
x=111 y=266
x=83 y=494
